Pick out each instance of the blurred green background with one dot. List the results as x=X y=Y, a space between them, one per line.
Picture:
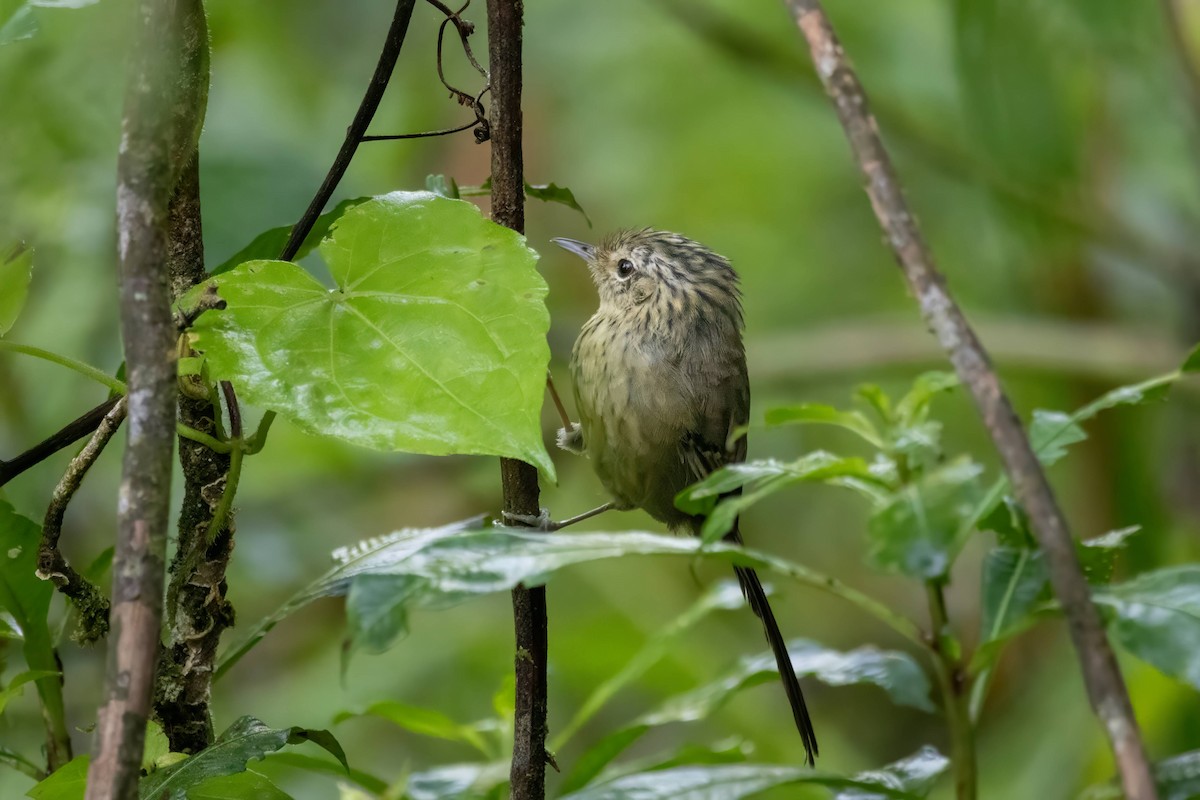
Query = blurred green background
x=1051 y=149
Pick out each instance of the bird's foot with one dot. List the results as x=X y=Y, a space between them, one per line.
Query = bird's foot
x=571 y=439
x=538 y=522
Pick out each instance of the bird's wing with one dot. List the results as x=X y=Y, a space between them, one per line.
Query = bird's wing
x=721 y=403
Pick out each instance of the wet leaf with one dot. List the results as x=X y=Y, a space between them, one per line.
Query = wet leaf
x=434 y=340
x=1156 y=617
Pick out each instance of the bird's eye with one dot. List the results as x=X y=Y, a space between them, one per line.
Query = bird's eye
x=625 y=268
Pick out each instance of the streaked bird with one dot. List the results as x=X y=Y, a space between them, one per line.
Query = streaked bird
x=660 y=384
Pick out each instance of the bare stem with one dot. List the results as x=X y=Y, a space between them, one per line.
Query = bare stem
x=358 y=127
x=520 y=481
x=1106 y=688
x=948 y=667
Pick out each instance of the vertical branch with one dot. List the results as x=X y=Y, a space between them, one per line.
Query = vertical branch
x=160 y=123
x=949 y=671
x=520 y=480
x=1105 y=686
x=357 y=128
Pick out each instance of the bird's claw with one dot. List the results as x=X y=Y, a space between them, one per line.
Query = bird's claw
x=571 y=439
x=540 y=521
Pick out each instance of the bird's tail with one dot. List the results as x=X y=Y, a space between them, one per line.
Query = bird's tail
x=752 y=588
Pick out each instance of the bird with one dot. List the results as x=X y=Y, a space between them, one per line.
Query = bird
x=660 y=384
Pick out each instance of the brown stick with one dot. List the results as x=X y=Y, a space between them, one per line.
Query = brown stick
x=90 y=604
x=520 y=481
x=1105 y=687
x=159 y=130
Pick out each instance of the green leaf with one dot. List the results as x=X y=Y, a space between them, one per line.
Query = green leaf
x=27 y=598
x=894 y=672
x=68 y=782
x=16 y=270
x=361 y=559
x=817 y=413
x=1177 y=778
x=434 y=340
x=759 y=479
x=913 y=408
x=915 y=775
x=914 y=533
x=17 y=685
x=442 y=186
x=1051 y=433
x=1098 y=556
x=1156 y=617
x=1014 y=580
x=423 y=721
x=270 y=243
x=157 y=747
x=1192 y=362
x=243 y=741
x=547 y=193
x=324 y=766
x=248 y=785
x=907 y=779
x=552 y=193
x=875 y=398
x=456 y=781
x=724 y=595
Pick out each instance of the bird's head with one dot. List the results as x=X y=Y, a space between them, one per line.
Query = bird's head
x=634 y=267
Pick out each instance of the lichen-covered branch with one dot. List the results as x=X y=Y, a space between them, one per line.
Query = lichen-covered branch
x=1106 y=689
x=161 y=123
x=91 y=606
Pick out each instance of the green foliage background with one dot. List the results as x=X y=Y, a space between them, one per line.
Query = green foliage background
x=1053 y=159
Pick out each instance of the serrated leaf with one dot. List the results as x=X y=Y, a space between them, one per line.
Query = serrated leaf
x=818 y=413
x=914 y=533
x=248 y=785
x=1156 y=617
x=16 y=270
x=730 y=782
x=759 y=479
x=1051 y=433
x=433 y=342
x=894 y=672
x=350 y=562
x=875 y=398
x=68 y=782
x=270 y=243
x=245 y=740
x=1014 y=580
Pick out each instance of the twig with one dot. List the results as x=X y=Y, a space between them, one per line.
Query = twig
x=1106 y=688
x=358 y=127
x=70 y=433
x=91 y=605
x=948 y=668
x=558 y=403
x=160 y=127
x=520 y=480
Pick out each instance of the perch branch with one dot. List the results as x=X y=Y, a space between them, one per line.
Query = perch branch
x=1105 y=686
x=519 y=480
x=70 y=433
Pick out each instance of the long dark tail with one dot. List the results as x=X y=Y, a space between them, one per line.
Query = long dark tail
x=757 y=598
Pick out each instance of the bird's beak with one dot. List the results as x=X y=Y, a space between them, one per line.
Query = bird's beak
x=581 y=249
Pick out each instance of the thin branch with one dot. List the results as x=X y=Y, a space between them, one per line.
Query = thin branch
x=91 y=605
x=948 y=668
x=72 y=432
x=519 y=480
x=161 y=124
x=558 y=403
x=358 y=127
x=1106 y=688
x=393 y=137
